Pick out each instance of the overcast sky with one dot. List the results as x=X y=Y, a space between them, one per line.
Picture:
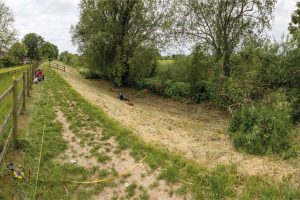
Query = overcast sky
x=52 y=19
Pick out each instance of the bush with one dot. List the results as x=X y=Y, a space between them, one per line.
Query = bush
x=177 y=90
x=265 y=128
x=200 y=91
x=143 y=65
x=7 y=62
x=88 y=73
x=294 y=98
x=154 y=85
x=222 y=93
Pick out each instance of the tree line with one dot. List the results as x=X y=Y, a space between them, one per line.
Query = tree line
x=31 y=47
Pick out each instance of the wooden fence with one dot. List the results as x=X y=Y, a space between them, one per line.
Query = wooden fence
x=57 y=65
x=19 y=104
x=13 y=71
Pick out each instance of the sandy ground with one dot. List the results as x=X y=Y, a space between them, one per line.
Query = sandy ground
x=196 y=131
x=140 y=173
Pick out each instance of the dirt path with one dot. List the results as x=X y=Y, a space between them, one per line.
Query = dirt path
x=91 y=150
x=196 y=131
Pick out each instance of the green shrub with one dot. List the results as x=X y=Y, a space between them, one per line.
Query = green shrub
x=200 y=91
x=88 y=73
x=177 y=90
x=294 y=99
x=228 y=93
x=265 y=128
x=154 y=84
x=7 y=62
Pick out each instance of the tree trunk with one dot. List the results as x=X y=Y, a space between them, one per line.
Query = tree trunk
x=226 y=64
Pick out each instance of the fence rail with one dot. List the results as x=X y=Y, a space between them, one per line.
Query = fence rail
x=57 y=65
x=19 y=104
x=13 y=71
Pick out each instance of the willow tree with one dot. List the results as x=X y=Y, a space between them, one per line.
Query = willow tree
x=109 y=32
x=294 y=25
x=7 y=30
x=223 y=25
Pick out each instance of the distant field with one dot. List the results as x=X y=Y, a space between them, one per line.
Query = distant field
x=3 y=70
x=164 y=65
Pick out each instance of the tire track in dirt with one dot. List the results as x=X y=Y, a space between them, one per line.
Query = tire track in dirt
x=196 y=131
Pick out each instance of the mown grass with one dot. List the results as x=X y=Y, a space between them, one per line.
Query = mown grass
x=223 y=182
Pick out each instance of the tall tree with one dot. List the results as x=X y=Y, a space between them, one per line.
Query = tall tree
x=109 y=32
x=34 y=44
x=49 y=50
x=223 y=24
x=7 y=30
x=18 y=51
x=294 y=25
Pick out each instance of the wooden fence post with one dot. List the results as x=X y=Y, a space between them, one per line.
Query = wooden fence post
x=28 y=82
x=24 y=91
x=31 y=78
x=15 y=107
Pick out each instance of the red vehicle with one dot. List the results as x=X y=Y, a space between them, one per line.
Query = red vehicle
x=39 y=74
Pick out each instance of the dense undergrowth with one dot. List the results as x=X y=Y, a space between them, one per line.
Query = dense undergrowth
x=258 y=71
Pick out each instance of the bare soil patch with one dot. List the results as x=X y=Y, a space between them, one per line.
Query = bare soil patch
x=142 y=177
x=196 y=131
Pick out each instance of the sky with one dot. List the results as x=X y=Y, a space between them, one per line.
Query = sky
x=52 y=19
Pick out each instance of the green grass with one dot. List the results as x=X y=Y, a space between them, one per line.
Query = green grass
x=223 y=182
x=131 y=190
x=164 y=65
x=6 y=81
x=7 y=69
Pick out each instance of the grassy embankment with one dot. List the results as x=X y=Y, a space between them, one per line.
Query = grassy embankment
x=221 y=183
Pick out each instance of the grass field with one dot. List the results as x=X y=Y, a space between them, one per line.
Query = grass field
x=6 y=81
x=7 y=69
x=88 y=123
x=164 y=65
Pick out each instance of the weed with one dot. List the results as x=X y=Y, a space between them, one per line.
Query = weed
x=131 y=190
x=144 y=196
x=182 y=190
x=102 y=158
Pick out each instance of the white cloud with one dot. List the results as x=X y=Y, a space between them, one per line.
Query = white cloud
x=52 y=19
x=283 y=12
